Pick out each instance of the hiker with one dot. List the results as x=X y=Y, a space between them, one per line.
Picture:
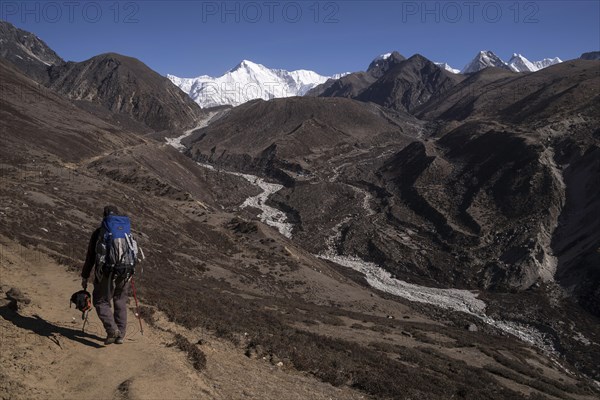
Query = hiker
x=113 y=252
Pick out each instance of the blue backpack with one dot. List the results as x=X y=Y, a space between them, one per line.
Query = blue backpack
x=116 y=250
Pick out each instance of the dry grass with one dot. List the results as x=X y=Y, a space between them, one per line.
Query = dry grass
x=194 y=354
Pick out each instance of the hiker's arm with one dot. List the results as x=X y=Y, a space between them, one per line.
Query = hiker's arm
x=90 y=258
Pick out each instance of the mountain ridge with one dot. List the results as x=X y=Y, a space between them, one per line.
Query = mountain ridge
x=249 y=80
x=28 y=52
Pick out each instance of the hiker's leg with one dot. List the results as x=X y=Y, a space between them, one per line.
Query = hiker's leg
x=102 y=295
x=120 y=301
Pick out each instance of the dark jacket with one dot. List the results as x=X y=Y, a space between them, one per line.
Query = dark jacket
x=90 y=258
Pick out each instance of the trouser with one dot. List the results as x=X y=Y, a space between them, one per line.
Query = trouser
x=117 y=290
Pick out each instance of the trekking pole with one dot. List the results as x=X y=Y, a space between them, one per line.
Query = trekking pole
x=137 y=307
x=85 y=320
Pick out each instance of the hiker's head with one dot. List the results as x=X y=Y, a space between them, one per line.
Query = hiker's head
x=110 y=210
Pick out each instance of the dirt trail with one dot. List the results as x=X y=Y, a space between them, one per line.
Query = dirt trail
x=44 y=354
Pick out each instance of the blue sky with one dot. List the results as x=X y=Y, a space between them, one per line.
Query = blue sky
x=190 y=38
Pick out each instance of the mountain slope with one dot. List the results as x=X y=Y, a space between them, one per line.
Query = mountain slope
x=38 y=115
x=294 y=135
x=393 y=82
x=409 y=84
x=353 y=84
x=248 y=81
x=555 y=108
x=592 y=56
x=28 y=52
x=508 y=96
x=348 y=86
x=126 y=85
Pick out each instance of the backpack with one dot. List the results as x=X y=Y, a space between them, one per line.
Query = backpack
x=116 y=250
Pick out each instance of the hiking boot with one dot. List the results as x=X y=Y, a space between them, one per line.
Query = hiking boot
x=111 y=337
x=119 y=340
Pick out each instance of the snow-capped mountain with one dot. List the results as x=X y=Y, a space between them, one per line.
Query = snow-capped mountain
x=381 y=57
x=248 y=81
x=397 y=57
x=381 y=64
x=546 y=62
x=519 y=63
x=447 y=67
x=484 y=59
